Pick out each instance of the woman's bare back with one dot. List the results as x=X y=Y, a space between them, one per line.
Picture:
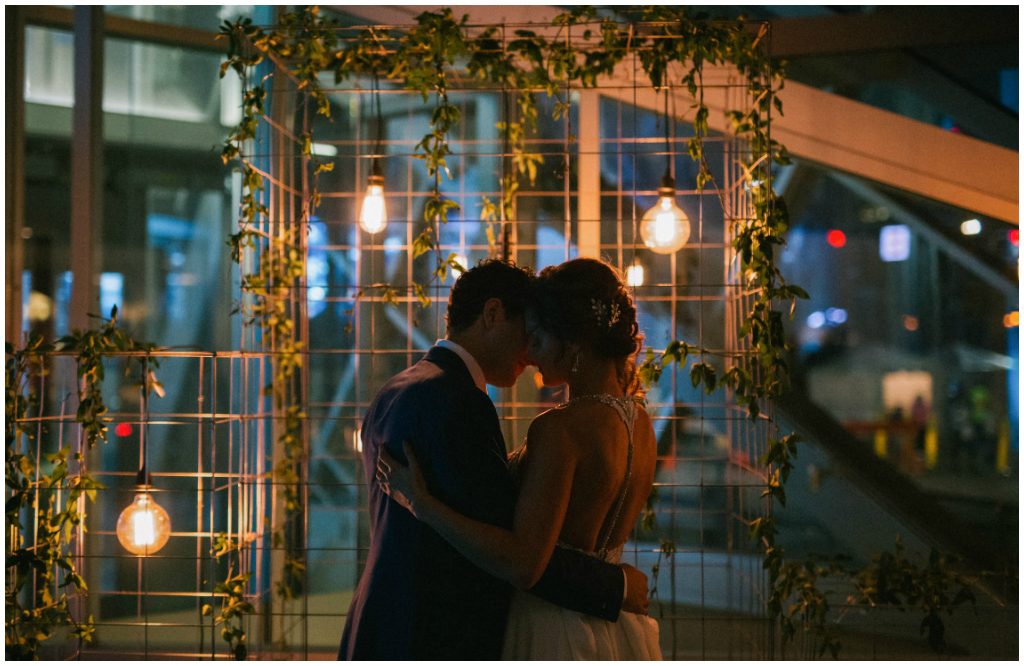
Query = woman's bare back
x=597 y=442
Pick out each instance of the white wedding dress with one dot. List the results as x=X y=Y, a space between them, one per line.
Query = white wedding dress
x=537 y=629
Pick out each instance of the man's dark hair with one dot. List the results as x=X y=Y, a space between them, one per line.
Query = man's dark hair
x=491 y=278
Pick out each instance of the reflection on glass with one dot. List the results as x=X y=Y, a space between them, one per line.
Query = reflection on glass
x=48 y=66
x=161 y=82
x=900 y=298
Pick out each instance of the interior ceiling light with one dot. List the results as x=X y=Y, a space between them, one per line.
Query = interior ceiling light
x=635 y=274
x=971 y=227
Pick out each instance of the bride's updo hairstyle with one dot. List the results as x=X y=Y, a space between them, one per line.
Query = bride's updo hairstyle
x=584 y=301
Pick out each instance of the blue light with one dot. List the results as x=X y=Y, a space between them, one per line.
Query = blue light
x=62 y=309
x=816 y=319
x=836 y=315
x=1009 y=88
x=316 y=270
x=111 y=292
x=26 y=291
x=894 y=242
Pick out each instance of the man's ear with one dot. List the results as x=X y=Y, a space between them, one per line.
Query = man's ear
x=493 y=313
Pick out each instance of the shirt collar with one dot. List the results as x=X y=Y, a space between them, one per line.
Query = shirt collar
x=474 y=368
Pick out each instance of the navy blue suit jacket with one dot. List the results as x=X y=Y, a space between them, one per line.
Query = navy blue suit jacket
x=418 y=598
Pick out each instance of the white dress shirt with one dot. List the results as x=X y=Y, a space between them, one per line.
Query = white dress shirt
x=474 y=368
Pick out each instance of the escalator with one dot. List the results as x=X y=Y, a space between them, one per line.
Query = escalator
x=840 y=482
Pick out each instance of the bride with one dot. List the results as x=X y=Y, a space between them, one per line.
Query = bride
x=585 y=471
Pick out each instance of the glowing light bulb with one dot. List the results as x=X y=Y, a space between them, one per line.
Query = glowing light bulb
x=665 y=228
x=373 y=215
x=635 y=274
x=971 y=227
x=143 y=527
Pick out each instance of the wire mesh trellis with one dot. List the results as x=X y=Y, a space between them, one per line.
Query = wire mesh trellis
x=214 y=453
x=711 y=582
x=202 y=455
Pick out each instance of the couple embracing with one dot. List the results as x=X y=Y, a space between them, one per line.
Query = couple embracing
x=478 y=555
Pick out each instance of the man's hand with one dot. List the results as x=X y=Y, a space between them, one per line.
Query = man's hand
x=636 y=590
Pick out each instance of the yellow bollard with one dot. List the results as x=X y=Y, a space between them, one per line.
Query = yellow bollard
x=1003 y=448
x=931 y=445
x=881 y=444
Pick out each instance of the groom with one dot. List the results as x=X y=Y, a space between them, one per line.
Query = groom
x=418 y=598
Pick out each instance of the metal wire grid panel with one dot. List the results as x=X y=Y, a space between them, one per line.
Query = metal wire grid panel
x=202 y=449
x=711 y=590
x=710 y=585
x=709 y=484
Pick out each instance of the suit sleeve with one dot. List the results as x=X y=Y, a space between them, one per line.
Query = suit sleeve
x=582 y=583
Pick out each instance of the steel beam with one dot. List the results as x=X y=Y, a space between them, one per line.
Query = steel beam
x=14 y=147
x=906 y=154
x=86 y=163
x=122 y=27
x=893 y=28
x=588 y=176
x=859 y=139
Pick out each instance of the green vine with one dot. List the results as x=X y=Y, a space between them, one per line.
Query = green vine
x=423 y=60
x=891 y=580
x=43 y=585
x=233 y=604
x=307 y=43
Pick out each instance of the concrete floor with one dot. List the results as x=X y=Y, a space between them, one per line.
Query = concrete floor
x=691 y=633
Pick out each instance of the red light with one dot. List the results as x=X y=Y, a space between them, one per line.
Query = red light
x=1014 y=236
x=836 y=238
x=123 y=429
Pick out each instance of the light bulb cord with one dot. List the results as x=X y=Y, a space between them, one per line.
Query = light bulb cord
x=379 y=139
x=506 y=227
x=668 y=145
x=142 y=477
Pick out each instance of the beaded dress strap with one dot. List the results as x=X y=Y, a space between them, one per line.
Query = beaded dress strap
x=625 y=407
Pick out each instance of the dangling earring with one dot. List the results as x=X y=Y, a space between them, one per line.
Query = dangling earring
x=576 y=364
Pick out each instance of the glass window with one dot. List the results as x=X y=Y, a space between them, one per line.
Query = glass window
x=161 y=82
x=49 y=70
x=202 y=17
x=904 y=286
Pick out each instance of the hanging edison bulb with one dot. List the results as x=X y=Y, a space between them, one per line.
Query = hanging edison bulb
x=143 y=527
x=665 y=228
x=373 y=216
